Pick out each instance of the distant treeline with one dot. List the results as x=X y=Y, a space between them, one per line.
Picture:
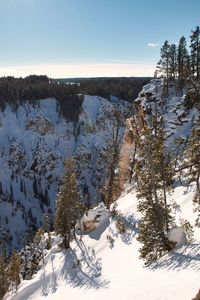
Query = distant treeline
x=16 y=91
x=125 y=88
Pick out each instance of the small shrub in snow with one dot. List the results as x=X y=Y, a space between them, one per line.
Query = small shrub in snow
x=76 y=264
x=196 y=199
x=188 y=228
x=89 y=226
x=121 y=225
x=197 y=221
x=110 y=240
x=175 y=206
x=114 y=209
x=46 y=227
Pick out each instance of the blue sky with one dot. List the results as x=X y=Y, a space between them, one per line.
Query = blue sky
x=72 y=38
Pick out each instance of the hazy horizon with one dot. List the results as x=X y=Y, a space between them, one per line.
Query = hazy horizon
x=66 y=38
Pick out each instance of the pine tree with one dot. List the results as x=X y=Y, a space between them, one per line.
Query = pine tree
x=38 y=242
x=195 y=52
x=192 y=155
x=35 y=187
x=69 y=205
x=153 y=174
x=14 y=269
x=183 y=62
x=46 y=199
x=21 y=186
x=46 y=227
x=172 y=62
x=164 y=62
x=46 y=223
x=4 y=282
x=111 y=188
x=1 y=188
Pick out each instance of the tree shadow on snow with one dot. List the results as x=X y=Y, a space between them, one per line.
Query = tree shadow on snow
x=84 y=271
x=187 y=257
x=49 y=283
x=131 y=228
x=46 y=283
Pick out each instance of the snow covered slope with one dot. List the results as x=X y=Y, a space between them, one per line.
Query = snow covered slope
x=98 y=267
x=105 y=264
x=34 y=143
x=179 y=119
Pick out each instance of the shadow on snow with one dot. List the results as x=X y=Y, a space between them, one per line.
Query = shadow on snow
x=84 y=271
x=187 y=257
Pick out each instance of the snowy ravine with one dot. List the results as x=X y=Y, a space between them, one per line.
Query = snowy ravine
x=105 y=264
x=34 y=143
x=95 y=268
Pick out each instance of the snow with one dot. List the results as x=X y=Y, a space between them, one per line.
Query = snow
x=95 y=269
x=98 y=215
x=103 y=263
x=91 y=107
x=178 y=236
x=37 y=133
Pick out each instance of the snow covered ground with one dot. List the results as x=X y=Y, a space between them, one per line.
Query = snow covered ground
x=104 y=264
x=34 y=143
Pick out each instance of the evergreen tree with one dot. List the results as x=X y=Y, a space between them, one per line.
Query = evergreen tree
x=195 y=52
x=14 y=269
x=1 y=188
x=163 y=67
x=46 y=227
x=69 y=205
x=11 y=190
x=46 y=198
x=183 y=63
x=111 y=188
x=172 y=62
x=35 y=187
x=153 y=175
x=38 y=237
x=192 y=155
x=21 y=186
x=46 y=223
x=39 y=242
x=4 y=282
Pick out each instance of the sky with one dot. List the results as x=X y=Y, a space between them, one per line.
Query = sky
x=90 y=38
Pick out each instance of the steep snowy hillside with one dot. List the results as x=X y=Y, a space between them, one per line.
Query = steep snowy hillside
x=104 y=264
x=34 y=143
x=178 y=118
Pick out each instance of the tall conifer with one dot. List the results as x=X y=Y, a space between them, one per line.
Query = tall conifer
x=69 y=205
x=195 y=52
x=153 y=174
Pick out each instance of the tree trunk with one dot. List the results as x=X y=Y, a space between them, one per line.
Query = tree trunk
x=66 y=240
x=197 y=183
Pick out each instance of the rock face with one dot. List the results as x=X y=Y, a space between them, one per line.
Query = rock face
x=95 y=218
x=178 y=121
x=34 y=143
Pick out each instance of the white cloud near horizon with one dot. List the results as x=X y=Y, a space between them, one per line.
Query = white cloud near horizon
x=153 y=45
x=81 y=70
